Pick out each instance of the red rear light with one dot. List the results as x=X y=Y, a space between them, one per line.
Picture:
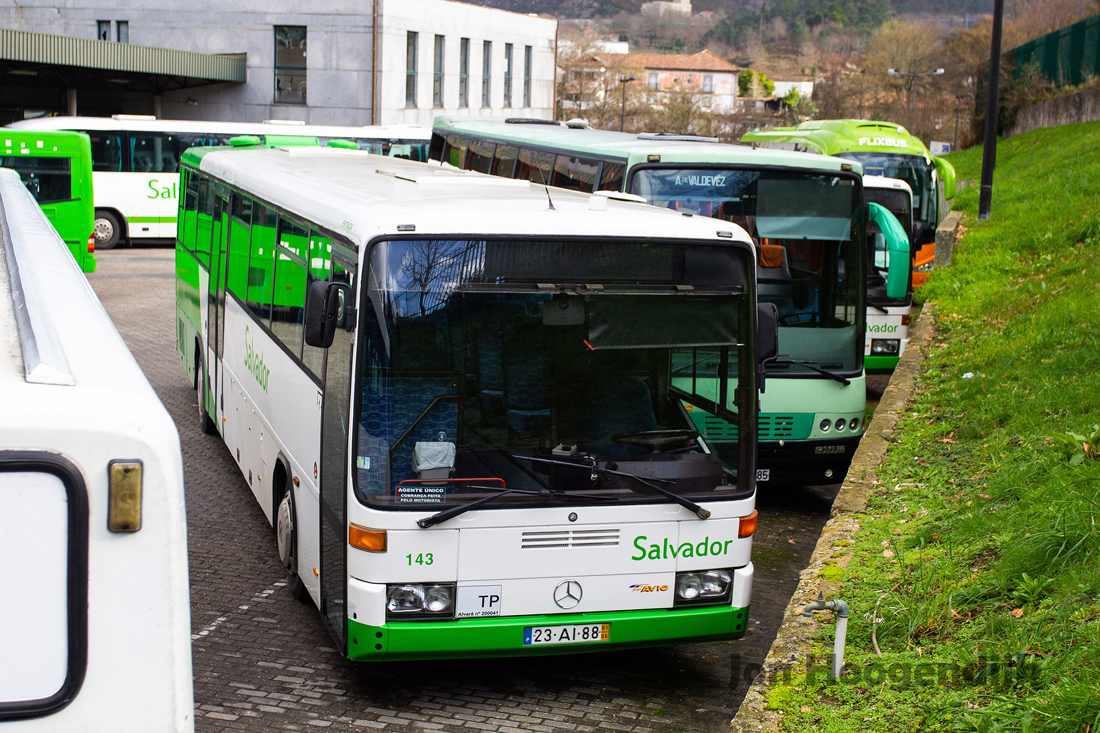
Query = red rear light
x=91 y=244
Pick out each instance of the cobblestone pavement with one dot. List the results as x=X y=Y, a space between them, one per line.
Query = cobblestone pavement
x=263 y=661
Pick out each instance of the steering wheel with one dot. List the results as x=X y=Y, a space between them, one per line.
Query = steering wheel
x=657 y=439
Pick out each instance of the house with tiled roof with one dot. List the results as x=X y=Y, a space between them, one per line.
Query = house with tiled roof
x=703 y=73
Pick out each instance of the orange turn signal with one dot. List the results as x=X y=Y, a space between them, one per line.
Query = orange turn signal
x=747 y=525
x=371 y=540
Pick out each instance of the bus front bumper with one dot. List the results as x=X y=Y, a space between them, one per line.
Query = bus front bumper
x=505 y=636
x=804 y=463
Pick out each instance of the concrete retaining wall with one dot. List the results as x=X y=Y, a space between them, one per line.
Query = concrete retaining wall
x=1083 y=106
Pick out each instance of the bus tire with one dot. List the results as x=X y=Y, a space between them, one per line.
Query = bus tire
x=108 y=229
x=206 y=423
x=286 y=534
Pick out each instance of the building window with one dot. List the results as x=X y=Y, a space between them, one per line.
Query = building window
x=122 y=31
x=486 y=69
x=410 y=68
x=708 y=83
x=464 y=72
x=507 y=75
x=437 y=74
x=290 y=64
x=652 y=83
x=526 y=76
x=103 y=30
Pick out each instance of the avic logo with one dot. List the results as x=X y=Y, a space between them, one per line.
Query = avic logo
x=648 y=588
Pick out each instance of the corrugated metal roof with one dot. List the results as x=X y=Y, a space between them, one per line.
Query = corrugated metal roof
x=43 y=48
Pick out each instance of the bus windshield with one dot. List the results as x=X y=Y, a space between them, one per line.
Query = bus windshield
x=909 y=168
x=807 y=229
x=537 y=365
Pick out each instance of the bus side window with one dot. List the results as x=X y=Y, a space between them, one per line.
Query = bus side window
x=203 y=219
x=106 y=151
x=534 y=166
x=455 y=151
x=318 y=267
x=153 y=152
x=578 y=174
x=611 y=176
x=186 y=233
x=48 y=179
x=504 y=162
x=240 y=242
x=261 y=262
x=290 y=285
x=480 y=156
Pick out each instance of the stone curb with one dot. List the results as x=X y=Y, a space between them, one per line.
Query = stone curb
x=793 y=641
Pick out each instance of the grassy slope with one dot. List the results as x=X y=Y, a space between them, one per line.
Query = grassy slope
x=982 y=547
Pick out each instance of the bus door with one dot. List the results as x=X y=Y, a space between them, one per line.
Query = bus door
x=335 y=416
x=219 y=238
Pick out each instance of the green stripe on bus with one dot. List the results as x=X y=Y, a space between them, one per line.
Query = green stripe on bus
x=880 y=364
x=503 y=637
x=151 y=219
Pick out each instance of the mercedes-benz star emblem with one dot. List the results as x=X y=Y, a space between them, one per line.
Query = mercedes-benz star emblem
x=568 y=594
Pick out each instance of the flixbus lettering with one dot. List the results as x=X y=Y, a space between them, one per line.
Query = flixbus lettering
x=883 y=142
x=666 y=549
x=254 y=362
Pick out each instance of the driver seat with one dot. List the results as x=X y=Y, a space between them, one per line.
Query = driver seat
x=616 y=405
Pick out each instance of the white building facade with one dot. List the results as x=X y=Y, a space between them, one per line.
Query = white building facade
x=325 y=62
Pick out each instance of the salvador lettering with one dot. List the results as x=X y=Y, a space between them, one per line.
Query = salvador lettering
x=882 y=328
x=157 y=191
x=665 y=550
x=254 y=362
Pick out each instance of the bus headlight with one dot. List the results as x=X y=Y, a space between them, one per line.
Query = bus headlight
x=409 y=600
x=703 y=586
x=885 y=347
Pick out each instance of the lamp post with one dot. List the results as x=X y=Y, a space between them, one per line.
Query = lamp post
x=623 y=81
x=913 y=81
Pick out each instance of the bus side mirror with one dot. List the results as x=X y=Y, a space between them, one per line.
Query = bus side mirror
x=324 y=308
x=947 y=175
x=897 y=271
x=767 y=338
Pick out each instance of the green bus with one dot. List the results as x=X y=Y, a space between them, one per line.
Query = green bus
x=883 y=149
x=56 y=167
x=807 y=220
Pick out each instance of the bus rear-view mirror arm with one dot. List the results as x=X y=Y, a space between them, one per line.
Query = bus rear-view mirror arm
x=327 y=306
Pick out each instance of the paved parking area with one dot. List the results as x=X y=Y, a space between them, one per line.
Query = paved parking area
x=263 y=661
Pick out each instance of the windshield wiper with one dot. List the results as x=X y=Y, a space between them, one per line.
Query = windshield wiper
x=453 y=512
x=831 y=375
x=598 y=471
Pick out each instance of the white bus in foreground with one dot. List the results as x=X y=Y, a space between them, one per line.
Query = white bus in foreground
x=94 y=615
x=463 y=401
x=135 y=161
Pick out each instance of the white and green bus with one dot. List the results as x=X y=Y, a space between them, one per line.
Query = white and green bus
x=805 y=215
x=887 y=316
x=883 y=149
x=463 y=402
x=135 y=161
x=94 y=616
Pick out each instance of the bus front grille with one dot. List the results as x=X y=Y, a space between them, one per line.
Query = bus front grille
x=544 y=539
x=770 y=427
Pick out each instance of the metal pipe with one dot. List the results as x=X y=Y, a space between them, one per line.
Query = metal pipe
x=989 y=149
x=841 y=608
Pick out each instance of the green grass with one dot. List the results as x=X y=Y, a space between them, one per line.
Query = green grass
x=978 y=565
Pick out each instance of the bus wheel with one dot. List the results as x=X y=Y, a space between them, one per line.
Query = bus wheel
x=287 y=536
x=108 y=230
x=206 y=423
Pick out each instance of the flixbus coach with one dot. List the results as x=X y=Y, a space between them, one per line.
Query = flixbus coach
x=806 y=217
x=461 y=401
x=56 y=167
x=95 y=615
x=883 y=149
x=135 y=160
